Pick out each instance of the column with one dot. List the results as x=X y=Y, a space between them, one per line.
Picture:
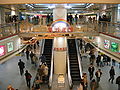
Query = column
x=59 y=12
x=2 y=15
x=60 y=43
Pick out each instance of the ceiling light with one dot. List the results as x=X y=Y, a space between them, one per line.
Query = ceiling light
x=76 y=11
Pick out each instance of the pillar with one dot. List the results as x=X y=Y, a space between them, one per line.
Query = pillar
x=59 y=12
x=60 y=43
x=2 y=15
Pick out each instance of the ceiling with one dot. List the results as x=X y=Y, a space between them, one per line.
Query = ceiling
x=48 y=8
x=58 y=1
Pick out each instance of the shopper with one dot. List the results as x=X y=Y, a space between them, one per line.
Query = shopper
x=35 y=60
x=93 y=84
x=112 y=73
x=10 y=87
x=91 y=71
x=21 y=65
x=118 y=82
x=27 y=54
x=98 y=76
x=46 y=73
x=31 y=56
x=28 y=77
x=43 y=58
x=37 y=83
x=113 y=62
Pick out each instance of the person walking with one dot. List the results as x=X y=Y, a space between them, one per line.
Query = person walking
x=21 y=65
x=118 y=82
x=91 y=71
x=98 y=76
x=93 y=84
x=31 y=56
x=112 y=73
x=27 y=54
x=28 y=77
x=35 y=60
x=98 y=60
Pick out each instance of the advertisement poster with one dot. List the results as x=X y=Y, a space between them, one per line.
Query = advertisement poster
x=114 y=47
x=106 y=44
x=2 y=50
x=10 y=46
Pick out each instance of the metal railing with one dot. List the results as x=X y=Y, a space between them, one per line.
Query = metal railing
x=51 y=71
x=79 y=59
x=42 y=46
x=68 y=69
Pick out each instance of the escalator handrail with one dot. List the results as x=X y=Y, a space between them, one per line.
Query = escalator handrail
x=51 y=69
x=68 y=66
x=42 y=47
x=79 y=59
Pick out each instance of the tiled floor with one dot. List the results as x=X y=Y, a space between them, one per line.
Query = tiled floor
x=104 y=84
x=9 y=74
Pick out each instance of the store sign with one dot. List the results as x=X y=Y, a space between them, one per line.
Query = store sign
x=106 y=44
x=60 y=25
x=2 y=50
x=114 y=46
x=10 y=46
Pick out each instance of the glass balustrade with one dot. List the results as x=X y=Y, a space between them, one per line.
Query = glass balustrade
x=96 y=27
x=8 y=29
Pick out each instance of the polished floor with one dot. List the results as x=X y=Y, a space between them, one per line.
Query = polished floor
x=104 y=83
x=9 y=74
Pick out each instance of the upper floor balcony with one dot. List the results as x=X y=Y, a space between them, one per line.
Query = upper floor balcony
x=26 y=29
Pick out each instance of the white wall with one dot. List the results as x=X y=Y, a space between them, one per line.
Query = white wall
x=16 y=44
x=100 y=42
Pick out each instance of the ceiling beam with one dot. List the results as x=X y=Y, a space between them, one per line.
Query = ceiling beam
x=57 y=1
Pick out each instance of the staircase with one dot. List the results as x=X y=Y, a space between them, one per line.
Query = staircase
x=73 y=59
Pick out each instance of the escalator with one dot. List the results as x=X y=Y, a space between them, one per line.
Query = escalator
x=48 y=54
x=73 y=62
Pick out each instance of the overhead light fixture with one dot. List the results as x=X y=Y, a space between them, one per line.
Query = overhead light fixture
x=29 y=5
x=89 y=5
x=68 y=7
x=76 y=11
x=51 y=6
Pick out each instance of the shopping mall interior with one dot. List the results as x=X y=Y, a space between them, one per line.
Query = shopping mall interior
x=59 y=45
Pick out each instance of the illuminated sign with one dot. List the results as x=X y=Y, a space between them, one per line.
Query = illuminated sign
x=60 y=25
x=114 y=47
x=106 y=44
x=2 y=50
x=10 y=46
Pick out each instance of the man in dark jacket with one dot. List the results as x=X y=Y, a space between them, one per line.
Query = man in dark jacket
x=112 y=73
x=28 y=77
x=118 y=82
x=91 y=71
x=21 y=65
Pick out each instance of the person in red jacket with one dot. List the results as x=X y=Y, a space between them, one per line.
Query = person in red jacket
x=28 y=77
